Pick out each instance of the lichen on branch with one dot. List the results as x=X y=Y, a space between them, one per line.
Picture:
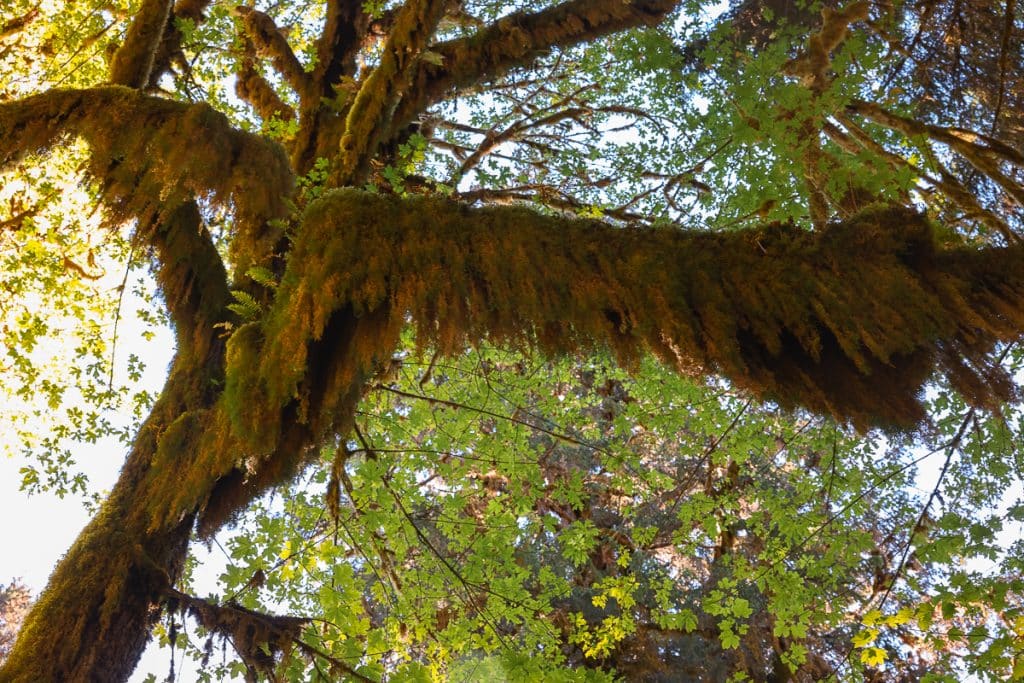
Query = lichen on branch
x=851 y=321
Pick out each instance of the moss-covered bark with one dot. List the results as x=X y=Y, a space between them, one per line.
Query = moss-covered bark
x=370 y=114
x=850 y=321
x=93 y=620
x=132 y=64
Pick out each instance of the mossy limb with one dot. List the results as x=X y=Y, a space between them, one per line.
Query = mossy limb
x=255 y=419
x=850 y=321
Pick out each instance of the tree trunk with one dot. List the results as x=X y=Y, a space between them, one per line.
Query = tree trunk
x=94 y=618
x=93 y=621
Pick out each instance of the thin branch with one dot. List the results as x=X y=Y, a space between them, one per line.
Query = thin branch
x=489 y=413
x=517 y=40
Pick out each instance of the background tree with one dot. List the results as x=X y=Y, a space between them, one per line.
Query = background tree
x=15 y=600
x=289 y=296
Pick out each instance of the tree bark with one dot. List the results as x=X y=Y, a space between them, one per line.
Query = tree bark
x=93 y=620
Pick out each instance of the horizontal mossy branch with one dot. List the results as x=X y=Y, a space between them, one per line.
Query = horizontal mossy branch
x=258 y=638
x=515 y=41
x=149 y=155
x=851 y=321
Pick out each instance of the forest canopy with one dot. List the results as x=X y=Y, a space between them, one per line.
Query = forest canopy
x=591 y=340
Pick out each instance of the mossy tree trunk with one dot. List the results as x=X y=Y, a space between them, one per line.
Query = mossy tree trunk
x=93 y=620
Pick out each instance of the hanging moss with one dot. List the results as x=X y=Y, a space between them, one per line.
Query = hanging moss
x=851 y=321
x=150 y=155
x=260 y=639
x=255 y=420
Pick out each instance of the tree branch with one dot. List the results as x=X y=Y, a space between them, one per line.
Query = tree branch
x=170 y=50
x=17 y=24
x=517 y=40
x=133 y=61
x=269 y=42
x=258 y=638
x=251 y=86
x=339 y=44
x=951 y=188
x=850 y=322
x=138 y=153
x=378 y=94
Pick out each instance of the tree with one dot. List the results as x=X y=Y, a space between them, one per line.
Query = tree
x=290 y=261
x=15 y=600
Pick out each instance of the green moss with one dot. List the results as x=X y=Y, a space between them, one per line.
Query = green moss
x=850 y=321
x=254 y=419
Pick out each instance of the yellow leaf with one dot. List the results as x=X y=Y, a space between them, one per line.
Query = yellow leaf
x=872 y=617
x=865 y=637
x=873 y=656
x=1018 y=670
x=901 y=617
